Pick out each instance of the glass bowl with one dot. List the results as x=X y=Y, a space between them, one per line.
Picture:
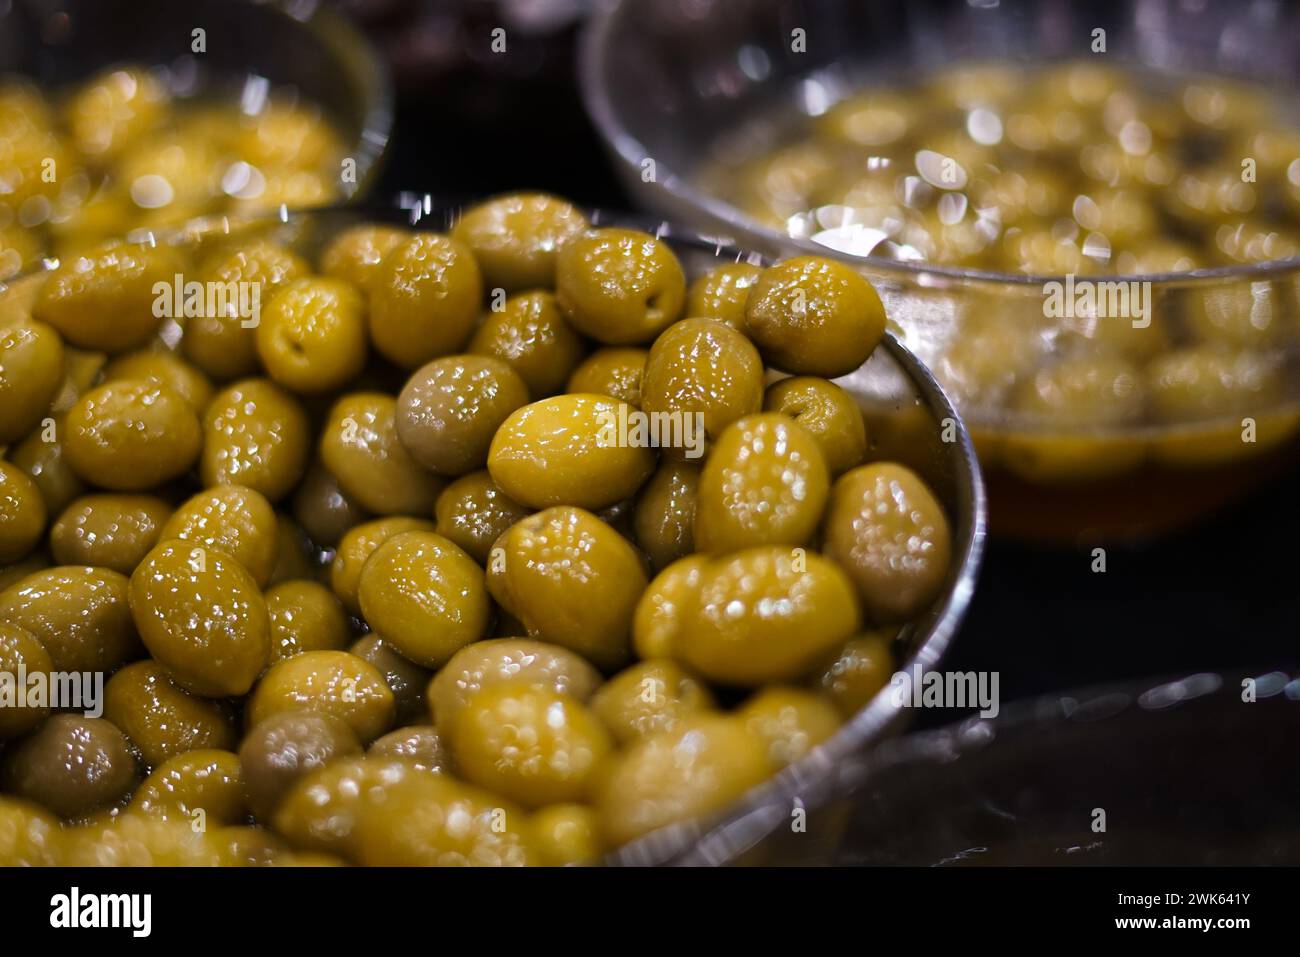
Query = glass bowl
x=296 y=53
x=662 y=79
x=906 y=410
x=1186 y=772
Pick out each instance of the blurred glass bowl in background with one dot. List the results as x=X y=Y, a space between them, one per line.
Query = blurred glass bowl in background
x=116 y=116
x=1088 y=427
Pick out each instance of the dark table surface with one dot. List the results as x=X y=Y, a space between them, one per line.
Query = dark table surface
x=1222 y=595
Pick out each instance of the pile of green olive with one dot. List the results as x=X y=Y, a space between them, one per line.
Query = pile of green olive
x=1083 y=167
x=121 y=151
x=369 y=581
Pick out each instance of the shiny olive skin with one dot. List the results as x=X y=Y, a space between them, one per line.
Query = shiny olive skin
x=202 y=616
x=449 y=410
x=21 y=653
x=814 y=316
x=530 y=334
x=324 y=510
x=619 y=286
x=233 y=519
x=858 y=671
x=664 y=521
x=360 y=446
x=204 y=784
x=420 y=746
x=792 y=721
x=692 y=771
x=22 y=513
x=890 y=534
x=79 y=614
x=473 y=513
x=31 y=374
x=164 y=369
x=304 y=616
x=702 y=368
x=723 y=293
x=518 y=662
x=566 y=450
x=648 y=698
x=284 y=748
x=355 y=550
x=567 y=835
x=135 y=839
x=615 y=372
x=255 y=434
x=827 y=413
x=758 y=615
x=161 y=719
x=333 y=682
x=71 y=765
x=104 y=298
x=320 y=810
x=41 y=456
x=515 y=237
x=664 y=604
x=431 y=820
x=424 y=299
x=425 y=596
x=405 y=679
x=572 y=580
x=355 y=254
x=29 y=835
x=130 y=435
x=531 y=745
x=225 y=347
x=312 y=335
x=765 y=483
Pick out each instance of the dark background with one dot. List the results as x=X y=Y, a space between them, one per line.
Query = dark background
x=1222 y=595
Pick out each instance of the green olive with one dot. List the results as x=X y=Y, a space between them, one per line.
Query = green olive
x=765 y=483
x=424 y=299
x=530 y=334
x=571 y=579
x=22 y=514
x=619 y=286
x=516 y=237
x=202 y=616
x=888 y=531
x=814 y=316
x=705 y=370
x=758 y=615
x=450 y=409
x=570 y=450
x=614 y=372
x=255 y=434
x=232 y=519
x=425 y=596
x=827 y=413
x=81 y=615
x=31 y=373
x=361 y=447
x=132 y=435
